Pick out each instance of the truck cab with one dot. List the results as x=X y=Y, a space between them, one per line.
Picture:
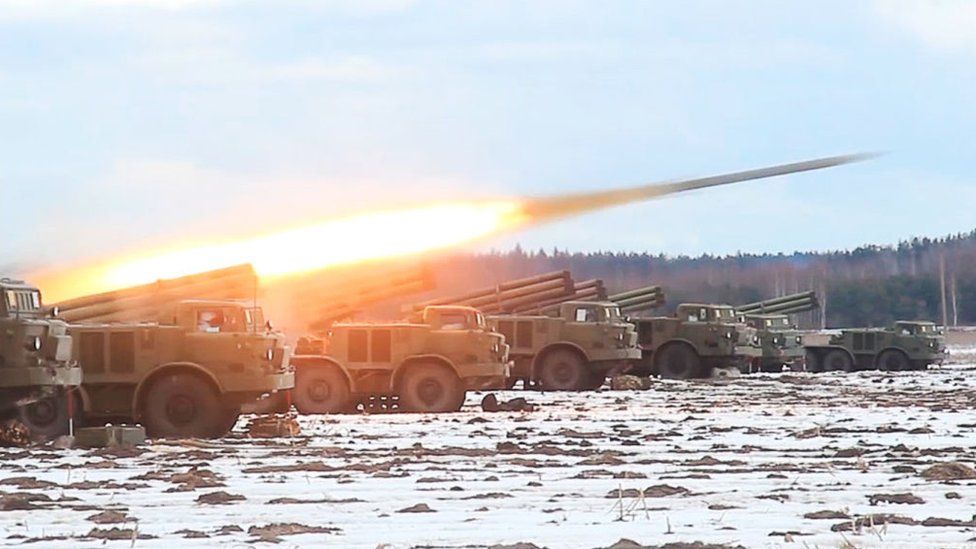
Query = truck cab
x=36 y=368
x=777 y=340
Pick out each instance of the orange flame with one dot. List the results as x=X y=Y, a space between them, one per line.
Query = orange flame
x=342 y=241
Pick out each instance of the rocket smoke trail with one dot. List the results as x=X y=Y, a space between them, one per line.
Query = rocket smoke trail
x=560 y=206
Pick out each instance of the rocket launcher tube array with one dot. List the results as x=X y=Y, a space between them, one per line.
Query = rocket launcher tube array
x=638 y=299
x=144 y=302
x=500 y=291
x=789 y=304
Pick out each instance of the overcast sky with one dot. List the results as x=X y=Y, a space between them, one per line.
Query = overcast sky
x=128 y=124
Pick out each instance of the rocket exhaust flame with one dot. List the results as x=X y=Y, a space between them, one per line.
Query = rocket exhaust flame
x=381 y=234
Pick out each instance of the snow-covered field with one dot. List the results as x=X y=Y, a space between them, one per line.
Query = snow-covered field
x=749 y=461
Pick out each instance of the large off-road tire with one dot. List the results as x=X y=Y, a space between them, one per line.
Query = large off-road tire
x=47 y=418
x=183 y=405
x=837 y=360
x=430 y=387
x=321 y=389
x=812 y=362
x=563 y=370
x=679 y=362
x=894 y=361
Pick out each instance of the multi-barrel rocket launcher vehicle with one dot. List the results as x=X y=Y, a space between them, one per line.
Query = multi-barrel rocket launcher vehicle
x=180 y=356
x=37 y=371
x=558 y=340
x=775 y=340
x=424 y=364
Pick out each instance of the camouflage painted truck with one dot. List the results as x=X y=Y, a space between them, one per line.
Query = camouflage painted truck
x=36 y=368
x=907 y=345
x=423 y=366
x=573 y=351
x=691 y=344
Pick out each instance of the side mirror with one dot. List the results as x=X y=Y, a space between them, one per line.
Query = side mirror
x=268 y=326
x=55 y=312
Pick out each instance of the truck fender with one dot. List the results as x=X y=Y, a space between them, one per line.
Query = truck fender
x=435 y=358
x=562 y=345
x=164 y=369
x=312 y=361
x=82 y=400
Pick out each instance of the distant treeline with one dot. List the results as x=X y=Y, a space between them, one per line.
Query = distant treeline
x=867 y=286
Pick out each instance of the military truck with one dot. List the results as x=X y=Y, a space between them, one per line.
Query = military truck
x=424 y=366
x=691 y=344
x=185 y=375
x=778 y=342
x=907 y=345
x=574 y=351
x=36 y=368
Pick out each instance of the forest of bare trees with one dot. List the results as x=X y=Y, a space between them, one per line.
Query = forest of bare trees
x=867 y=286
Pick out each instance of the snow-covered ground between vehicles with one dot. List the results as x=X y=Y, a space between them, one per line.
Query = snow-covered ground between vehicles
x=785 y=460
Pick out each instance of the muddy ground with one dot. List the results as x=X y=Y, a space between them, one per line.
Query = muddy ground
x=786 y=460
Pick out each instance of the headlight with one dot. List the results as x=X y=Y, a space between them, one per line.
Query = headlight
x=33 y=344
x=269 y=354
x=799 y=340
x=728 y=335
x=755 y=340
x=620 y=336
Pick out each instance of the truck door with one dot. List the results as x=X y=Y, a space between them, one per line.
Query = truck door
x=219 y=340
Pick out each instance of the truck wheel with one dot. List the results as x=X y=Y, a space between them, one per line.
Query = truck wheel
x=894 y=361
x=183 y=406
x=47 y=418
x=679 y=362
x=837 y=360
x=430 y=388
x=563 y=370
x=321 y=389
x=812 y=362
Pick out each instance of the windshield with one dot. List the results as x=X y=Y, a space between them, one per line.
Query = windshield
x=777 y=322
x=480 y=319
x=612 y=313
x=254 y=318
x=913 y=329
x=215 y=320
x=724 y=314
x=456 y=320
x=22 y=300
